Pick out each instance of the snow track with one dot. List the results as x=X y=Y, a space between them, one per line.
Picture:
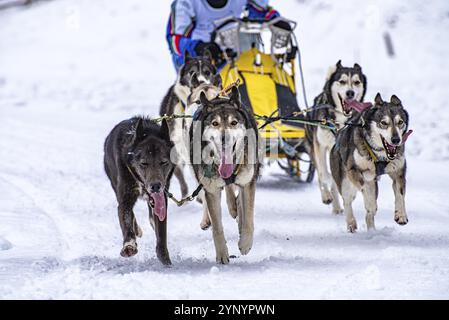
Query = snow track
x=93 y=64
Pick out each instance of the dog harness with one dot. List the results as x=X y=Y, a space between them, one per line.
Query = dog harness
x=380 y=165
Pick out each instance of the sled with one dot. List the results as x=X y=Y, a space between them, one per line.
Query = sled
x=262 y=57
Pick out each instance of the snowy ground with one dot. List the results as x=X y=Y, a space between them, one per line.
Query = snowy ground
x=70 y=70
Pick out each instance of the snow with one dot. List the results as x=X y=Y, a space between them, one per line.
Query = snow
x=70 y=70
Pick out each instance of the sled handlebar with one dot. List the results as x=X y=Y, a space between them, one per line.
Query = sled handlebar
x=255 y=24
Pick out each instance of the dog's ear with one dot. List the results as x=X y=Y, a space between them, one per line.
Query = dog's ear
x=378 y=99
x=235 y=96
x=194 y=82
x=138 y=131
x=165 y=130
x=357 y=67
x=339 y=65
x=367 y=114
x=203 y=100
x=216 y=81
x=395 y=101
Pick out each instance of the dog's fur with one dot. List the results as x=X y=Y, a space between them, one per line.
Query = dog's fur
x=342 y=84
x=175 y=101
x=382 y=128
x=137 y=163
x=224 y=121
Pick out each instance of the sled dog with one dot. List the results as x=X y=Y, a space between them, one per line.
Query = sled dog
x=224 y=155
x=343 y=84
x=370 y=146
x=174 y=102
x=137 y=163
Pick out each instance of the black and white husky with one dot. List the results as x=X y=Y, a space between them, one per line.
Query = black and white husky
x=175 y=101
x=224 y=155
x=373 y=144
x=342 y=85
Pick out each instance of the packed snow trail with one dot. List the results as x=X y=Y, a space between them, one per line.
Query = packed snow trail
x=70 y=71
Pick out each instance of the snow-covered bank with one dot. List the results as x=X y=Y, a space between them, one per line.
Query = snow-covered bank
x=70 y=70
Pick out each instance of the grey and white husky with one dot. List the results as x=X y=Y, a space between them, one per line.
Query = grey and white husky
x=224 y=155
x=342 y=85
x=175 y=101
x=373 y=144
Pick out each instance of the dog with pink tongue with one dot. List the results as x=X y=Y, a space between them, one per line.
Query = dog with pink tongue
x=138 y=165
x=224 y=155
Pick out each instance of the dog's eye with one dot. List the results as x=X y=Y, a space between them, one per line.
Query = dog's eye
x=342 y=82
x=215 y=123
x=164 y=163
x=234 y=123
x=144 y=164
x=384 y=123
x=357 y=83
x=207 y=73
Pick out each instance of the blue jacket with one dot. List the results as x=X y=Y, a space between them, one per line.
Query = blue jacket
x=192 y=22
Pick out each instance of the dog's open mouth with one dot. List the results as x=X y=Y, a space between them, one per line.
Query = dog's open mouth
x=226 y=167
x=346 y=104
x=390 y=149
x=157 y=202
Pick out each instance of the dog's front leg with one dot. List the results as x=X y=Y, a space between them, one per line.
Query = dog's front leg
x=400 y=216
x=213 y=202
x=369 y=191
x=348 y=193
x=319 y=155
x=128 y=223
x=245 y=205
x=205 y=221
x=336 y=206
x=231 y=201
x=179 y=174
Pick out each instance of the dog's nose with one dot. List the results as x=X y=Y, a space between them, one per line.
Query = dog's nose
x=155 y=187
x=396 y=140
x=350 y=94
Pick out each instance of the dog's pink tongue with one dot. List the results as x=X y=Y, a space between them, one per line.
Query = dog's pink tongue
x=226 y=167
x=406 y=135
x=358 y=106
x=159 y=205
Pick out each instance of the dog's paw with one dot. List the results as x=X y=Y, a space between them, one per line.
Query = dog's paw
x=401 y=219
x=233 y=212
x=352 y=227
x=163 y=257
x=337 y=211
x=222 y=256
x=326 y=197
x=205 y=224
x=129 y=249
x=245 y=243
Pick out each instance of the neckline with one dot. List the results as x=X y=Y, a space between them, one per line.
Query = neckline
x=217 y=9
